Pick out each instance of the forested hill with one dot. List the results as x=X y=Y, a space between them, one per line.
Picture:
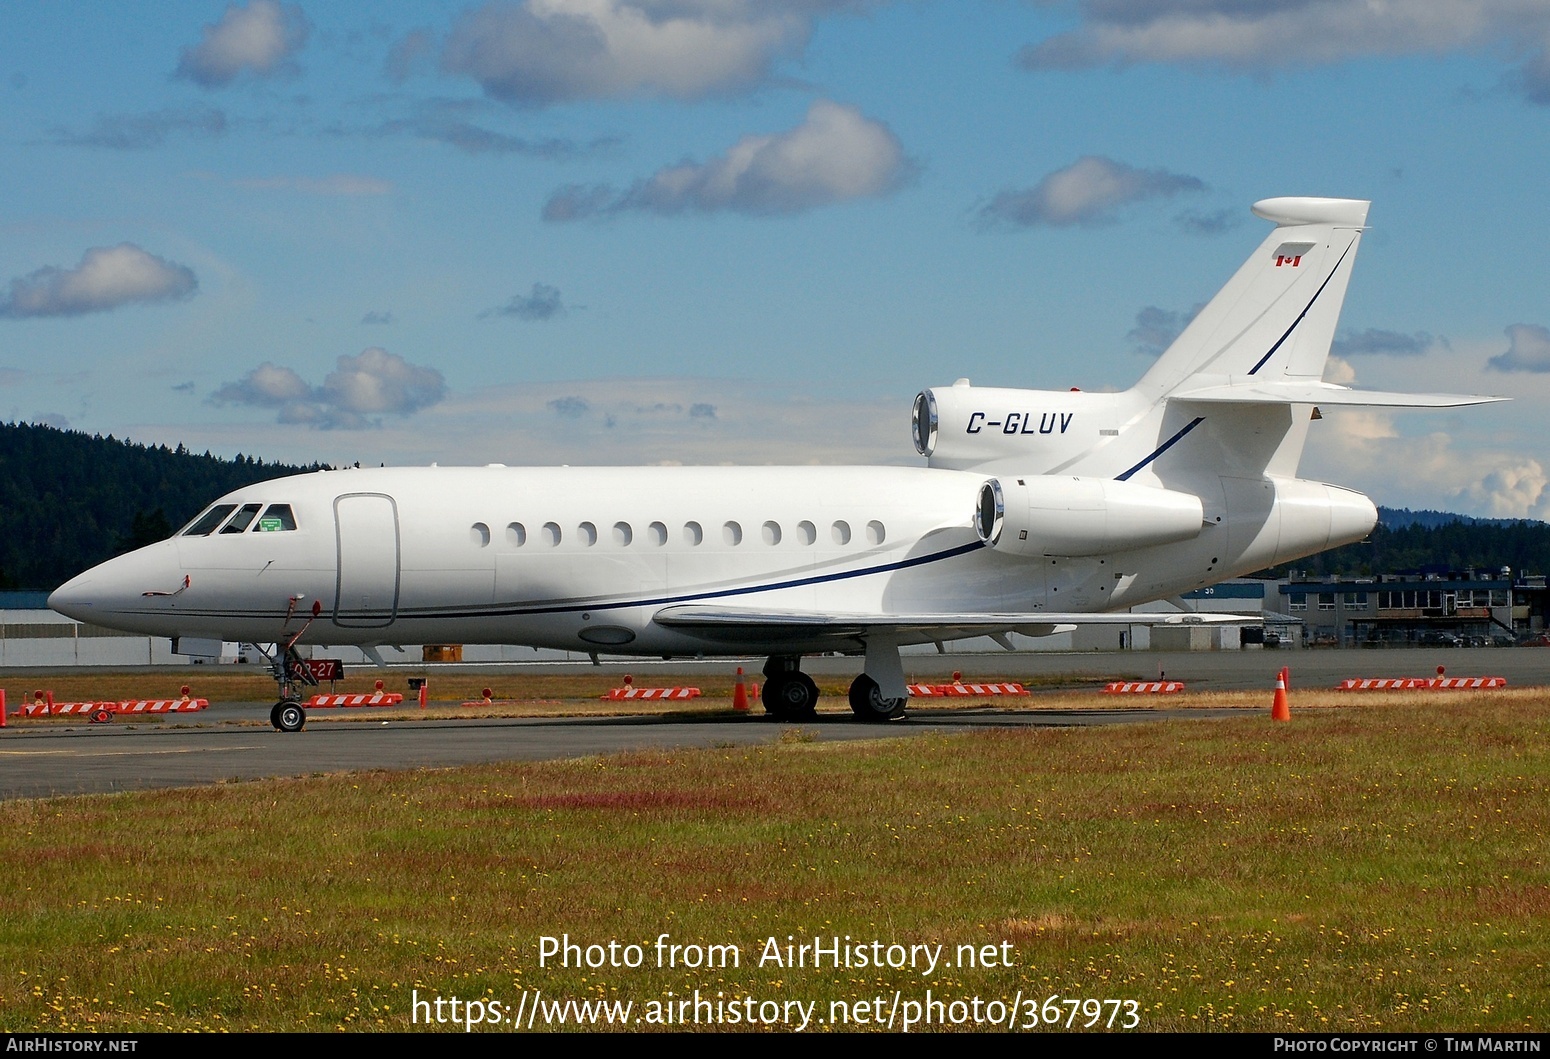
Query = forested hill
x=1401 y=544
x=70 y=500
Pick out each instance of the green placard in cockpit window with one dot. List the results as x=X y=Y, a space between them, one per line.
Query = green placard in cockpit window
x=270 y=525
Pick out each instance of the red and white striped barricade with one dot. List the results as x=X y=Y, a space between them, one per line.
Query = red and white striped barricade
x=1144 y=687
x=377 y=698
x=1466 y=683
x=181 y=705
x=50 y=708
x=631 y=692
x=960 y=689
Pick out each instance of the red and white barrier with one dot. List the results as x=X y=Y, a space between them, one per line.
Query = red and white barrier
x=49 y=708
x=960 y=688
x=1422 y=684
x=1144 y=687
x=379 y=698
x=183 y=705
x=1447 y=683
x=618 y=694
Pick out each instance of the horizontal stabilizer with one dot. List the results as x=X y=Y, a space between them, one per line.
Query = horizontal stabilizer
x=1285 y=391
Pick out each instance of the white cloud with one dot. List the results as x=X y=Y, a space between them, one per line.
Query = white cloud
x=546 y=51
x=258 y=38
x=1250 y=37
x=374 y=383
x=836 y=154
x=107 y=277
x=1528 y=350
x=268 y=385
x=1090 y=190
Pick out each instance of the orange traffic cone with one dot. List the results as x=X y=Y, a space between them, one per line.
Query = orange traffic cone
x=740 y=693
x=1280 y=709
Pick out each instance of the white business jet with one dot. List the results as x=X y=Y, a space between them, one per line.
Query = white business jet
x=1037 y=511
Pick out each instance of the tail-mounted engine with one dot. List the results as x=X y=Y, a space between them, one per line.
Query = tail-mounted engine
x=1065 y=516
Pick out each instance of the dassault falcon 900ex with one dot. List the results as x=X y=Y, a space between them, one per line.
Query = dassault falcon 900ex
x=1036 y=511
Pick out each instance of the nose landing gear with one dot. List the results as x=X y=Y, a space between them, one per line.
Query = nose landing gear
x=290 y=671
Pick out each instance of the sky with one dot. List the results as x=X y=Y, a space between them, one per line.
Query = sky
x=749 y=231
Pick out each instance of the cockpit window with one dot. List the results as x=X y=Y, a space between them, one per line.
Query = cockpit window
x=240 y=520
x=205 y=524
x=278 y=517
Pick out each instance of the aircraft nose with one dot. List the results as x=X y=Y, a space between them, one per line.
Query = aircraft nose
x=74 y=598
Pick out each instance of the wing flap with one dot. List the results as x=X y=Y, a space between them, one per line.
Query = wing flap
x=735 y=624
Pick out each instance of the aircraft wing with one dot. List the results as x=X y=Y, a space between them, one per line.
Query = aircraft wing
x=1327 y=393
x=834 y=631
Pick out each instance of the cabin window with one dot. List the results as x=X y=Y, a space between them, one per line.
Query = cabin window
x=732 y=533
x=875 y=534
x=588 y=533
x=840 y=531
x=551 y=533
x=807 y=533
x=479 y=533
x=623 y=534
x=516 y=534
x=240 y=520
x=205 y=524
x=275 y=518
x=657 y=534
x=771 y=532
x=693 y=534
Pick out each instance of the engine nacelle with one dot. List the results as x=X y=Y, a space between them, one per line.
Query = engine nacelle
x=1067 y=516
x=963 y=427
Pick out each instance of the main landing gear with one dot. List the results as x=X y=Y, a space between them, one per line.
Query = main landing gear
x=868 y=703
x=790 y=694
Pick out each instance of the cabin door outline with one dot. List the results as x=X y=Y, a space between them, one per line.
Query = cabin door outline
x=369 y=565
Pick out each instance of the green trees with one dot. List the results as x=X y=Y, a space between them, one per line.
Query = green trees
x=70 y=500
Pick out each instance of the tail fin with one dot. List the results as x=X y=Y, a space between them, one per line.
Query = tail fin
x=1276 y=317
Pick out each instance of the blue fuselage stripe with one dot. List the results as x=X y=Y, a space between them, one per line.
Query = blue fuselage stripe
x=1164 y=447
x=1300 y=315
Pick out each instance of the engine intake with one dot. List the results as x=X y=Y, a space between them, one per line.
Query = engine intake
x=1068 y=516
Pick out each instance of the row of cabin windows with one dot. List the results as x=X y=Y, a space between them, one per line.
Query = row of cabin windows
x=623 y=535
x=275 y=518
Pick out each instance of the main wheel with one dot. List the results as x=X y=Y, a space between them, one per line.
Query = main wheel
x=867 y=702
x=790 y=696
x=288 y=716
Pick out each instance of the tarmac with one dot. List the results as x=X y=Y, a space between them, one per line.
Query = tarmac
x=233 y=742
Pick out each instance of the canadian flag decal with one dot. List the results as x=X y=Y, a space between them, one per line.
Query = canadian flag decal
x=1289 y=255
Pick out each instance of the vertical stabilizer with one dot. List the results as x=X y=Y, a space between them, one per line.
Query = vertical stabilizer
x=1276 y=317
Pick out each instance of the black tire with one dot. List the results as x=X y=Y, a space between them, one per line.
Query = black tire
x=867 y=702
x=288 y=716
x=790 y=696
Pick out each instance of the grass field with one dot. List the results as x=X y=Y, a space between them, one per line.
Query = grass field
x=1381 y=866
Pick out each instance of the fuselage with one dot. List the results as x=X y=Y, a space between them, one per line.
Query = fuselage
x=583 y=558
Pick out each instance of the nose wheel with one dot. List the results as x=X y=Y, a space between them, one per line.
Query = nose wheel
x=288 y=716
